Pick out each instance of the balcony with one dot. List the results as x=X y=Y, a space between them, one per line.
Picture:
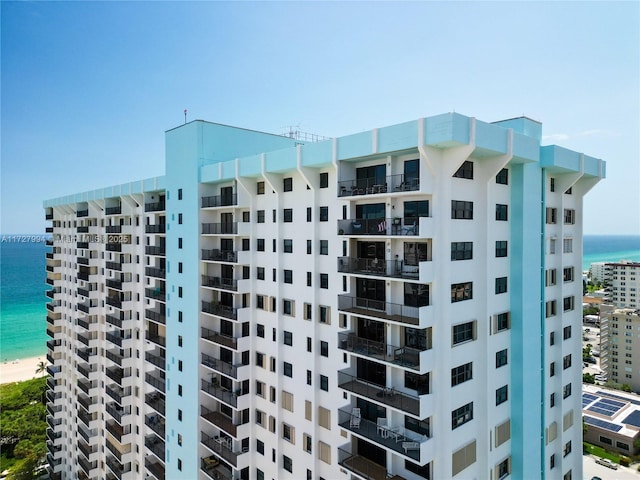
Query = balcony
x=49 y=281
x=221 y=446
x=117 y=412
x=116 y=430
x=113 y=210
x=156 y=468
x=158 y=316
x=85 y=369
x=114 y=302
x=116 y=337
x=225 y=311
x=117 y=452
x=363 y=467
x=156 y=401
x=220 y=201
x=219 y=338
x=220 y=393
x=85 y=353
x=160 y=250
x=86 y=417
x=154 y=207
x=84 y=307
x=85 y=386
x=221 y=283
x=117 y=393
x=220 y=366
x=377 y=267
x=155 y=423
x=155 y=444
x=228 y=228
x=377 y=185
x=114 y=356
x=402 y=356
x=116 y=374
x=214 y=470
x=216 y=255
x=379 y=394
x=48 y=229
x=155 y=382
x=116 y=467
x=391 y=438
x=382 y=227
x=114 y=247
x=156 y=360
x=86 y=449
x=82 y=213
x=88 y=467
x=82 y=245
x=118 y=319
x=113 y=266
x=114 y=283
x=158 y=340
x=113 y=229
x=155 y=272
x=219 y=420
x=380 y=309
x=155 y=293
x=52 y=436
x=48 y=216
x=157 y=228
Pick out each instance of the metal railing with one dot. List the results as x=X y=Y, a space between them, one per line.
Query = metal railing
x=155 y=382
x=220 y=310
x=220 y=282
x=216 y=255
x=220 y=200
x=403 y=356
x=379 y=308
x=219 y=338
x=220 y=393
x=377 y=185
x=379 y=226
x=220 y=366
x=154 y=207
x=379 y=393
x=226 y=228
x=157 y=228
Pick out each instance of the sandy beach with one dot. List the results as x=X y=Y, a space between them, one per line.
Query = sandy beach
x=22 y=369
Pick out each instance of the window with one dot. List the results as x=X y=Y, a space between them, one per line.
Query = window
x=260 y=359
x=179 y=415
x=288 y=276
x=324 y=349
x=567 y=449
x=288 y=369
x=260 y=246
x=461 y=374
x=465 y=170
x=461 y=415
x=324 y=280
x=461 y=292
x=463 y=332
x=324 y=214
x=566 y=390
x=501 y=285
x=288 y=184
x=309 y=377
x=552 y=338
x=566 y=362
x=569 y=216
x=550 y=277
x=324 y=453
x=325 y=314
x=288 y=215
x=324 y=180
x=260 y=216
x=260 y=188
x=463 y=457
x=287 y=307
x=567 y=245
x=287 y=464
x=288 y=433
x=552 y=400
x=414 y=252
x=552 y=461
x=260 y=446
x=324 y=383
x=308 y=214
x=568 y=303
x=550 y=308
x=502 y=322
x=461 y=250
x=324 y=247
x=502 y=212
x=179 y=194
x=308 y=247
x=568 y=274
x=179 y=340
x=621 y=445
x=551 y=215
x=414 y=210
x=566 y=332
x=501 y=358
x=503 y=177
x=308 y=279
x=502 y=394
x=461 y=210
x=288 y=338
x=260 y=273
x=179 y=219
x=552 y=246
x=552 y=369
x=501 y=248
x=180 y=242
x=307 y=311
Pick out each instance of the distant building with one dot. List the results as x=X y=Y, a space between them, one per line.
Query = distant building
x=597 y=273
x=620 y=346
x=612 y=419
x=622 y=284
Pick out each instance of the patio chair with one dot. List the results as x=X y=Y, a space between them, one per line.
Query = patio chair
x=356 y=418
x=382 y=427
x=410 y=446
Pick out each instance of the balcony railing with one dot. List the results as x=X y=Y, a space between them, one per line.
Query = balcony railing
x=85 y=386
x=219 y=338
x=156 y=316
x=84 y=369
x=216 y=255
x=116 y=337
x=116 y=452
x=221 y=447
x=156 y=360
x=113 y=210
x=220 y=201
x=116 y=430
x=220 y=310
x=155 y=272
x=116 y=319
x=379 y=393
x=82 y=213
x=220 y=282
x=84 y=307
x=155 y=444
x=379 y=226
x=156 y=382
x=159 y=250
x=85 y=353
x=48 y=216
x=86 y=449
x=116 y=467
x=114 y=247
x=157 y=228
x=220 y=393
x=379 y=309
x=114 y=356
x=155 y=293
x=114 y=265
x=114 y=283
x=374 y=266
x=227 y=228
x=156 y=401
x=156 y=468
x=219 y=420
x=403 y=356
x=377 y=185
x=113 y=229
x=117 y=412
x=219 y=365
x=363 y=467
x=117 y=393
x=214 y=470
x=154 y=207
x=116 y=374
x=156 y=423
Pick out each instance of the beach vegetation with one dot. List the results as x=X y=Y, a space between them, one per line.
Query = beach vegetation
x=23 y=426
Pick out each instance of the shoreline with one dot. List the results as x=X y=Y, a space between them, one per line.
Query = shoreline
x=21 y=369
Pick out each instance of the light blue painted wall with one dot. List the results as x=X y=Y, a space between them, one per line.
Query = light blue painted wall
x=526 y=325
x=398 y=137
x=317 y=154
x=357 y=145
x=281 y=160
x=523 y=125
x=449 y=129
x=491 y=137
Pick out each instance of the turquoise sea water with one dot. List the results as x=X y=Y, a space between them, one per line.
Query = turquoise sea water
x=22 y=286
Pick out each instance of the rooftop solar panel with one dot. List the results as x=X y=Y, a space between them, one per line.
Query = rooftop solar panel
x=587 y=398
x=606 y=407
x=633 y=418
x=635 y=402
x=602 y=424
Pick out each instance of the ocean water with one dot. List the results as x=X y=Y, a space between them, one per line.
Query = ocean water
x=22 y=285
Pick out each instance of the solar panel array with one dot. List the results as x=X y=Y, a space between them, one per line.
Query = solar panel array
x=602 y=424
x=624 y=399
x=633 y=418
x=606 y=407
x=587 y=398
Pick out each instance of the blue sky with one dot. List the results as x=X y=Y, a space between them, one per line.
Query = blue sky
x=89 y=88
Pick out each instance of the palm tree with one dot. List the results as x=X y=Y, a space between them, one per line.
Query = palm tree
x=42 y=368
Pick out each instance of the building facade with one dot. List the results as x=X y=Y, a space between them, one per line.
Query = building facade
x=597 y=272
x=622 y=284
x=620 y=346
x=402 y=302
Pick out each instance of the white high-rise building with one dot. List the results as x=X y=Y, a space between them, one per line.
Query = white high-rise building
x=622 y=284
x=399 y=303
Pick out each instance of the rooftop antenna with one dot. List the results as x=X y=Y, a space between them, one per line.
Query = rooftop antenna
x=185 y=116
